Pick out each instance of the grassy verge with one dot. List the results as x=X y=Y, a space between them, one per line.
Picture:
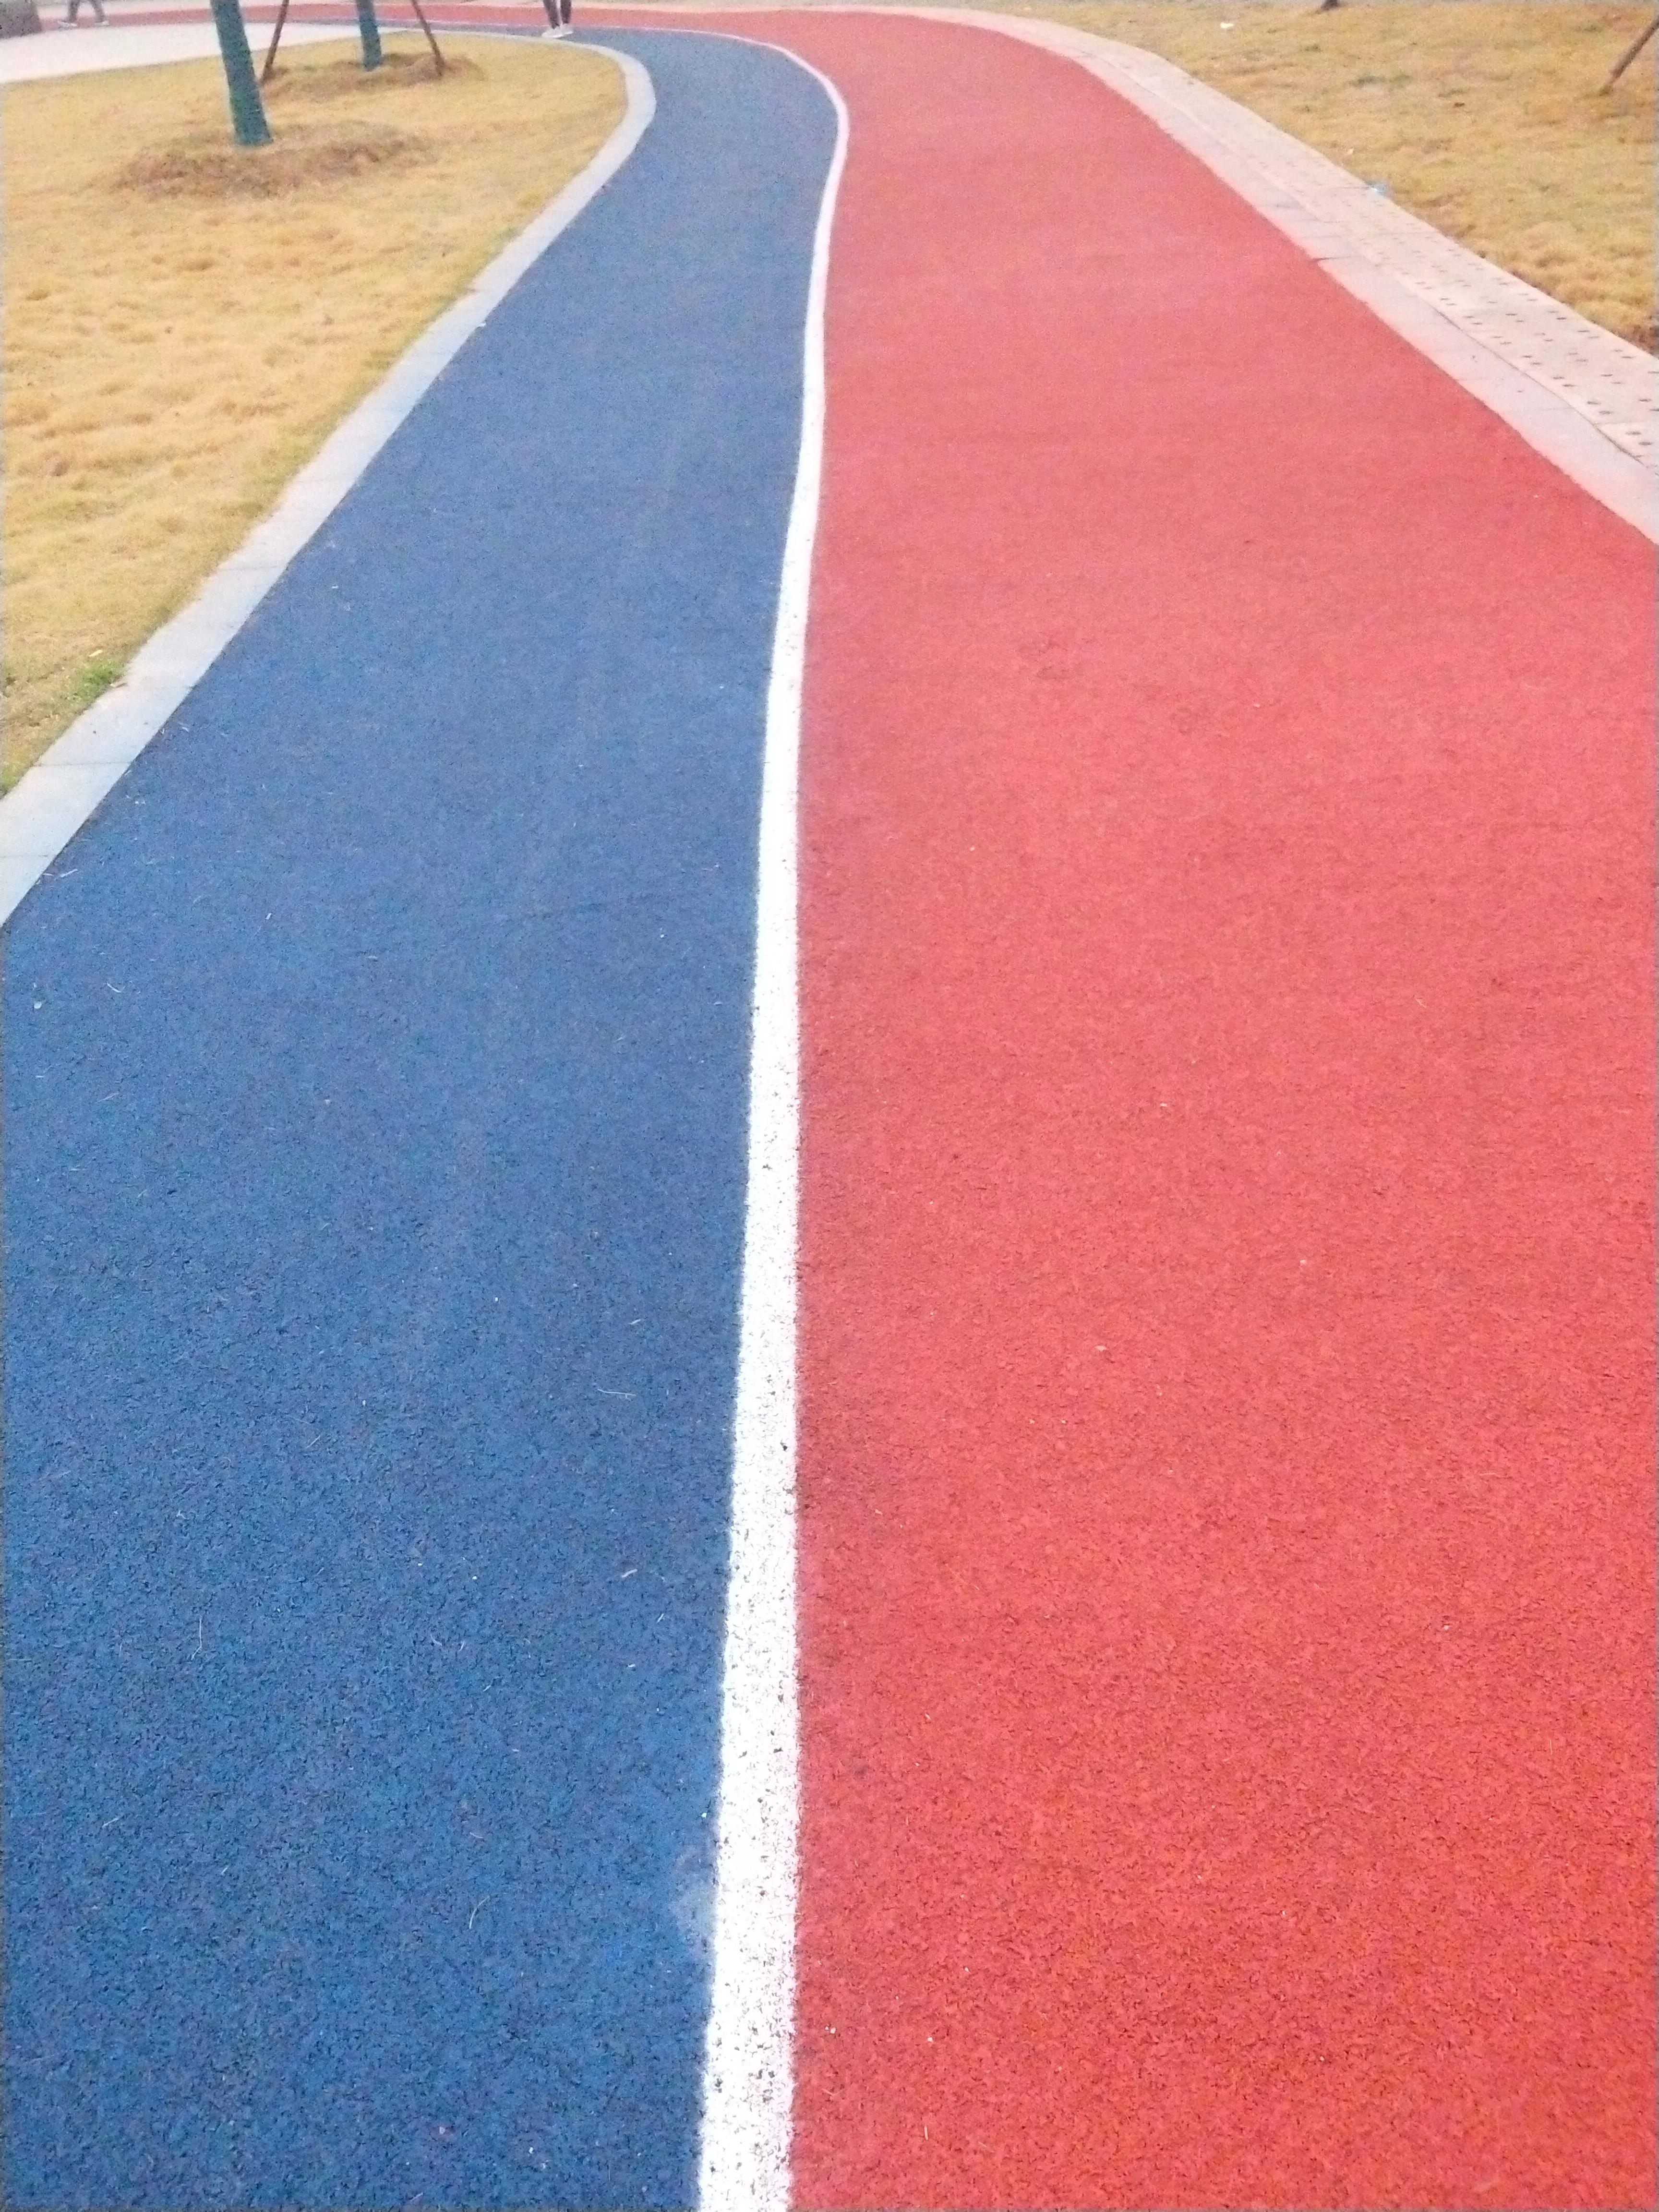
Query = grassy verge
x=1482 y=116
x=183 y=323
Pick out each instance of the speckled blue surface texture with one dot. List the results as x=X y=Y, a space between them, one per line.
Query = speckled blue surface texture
x=376 y=1088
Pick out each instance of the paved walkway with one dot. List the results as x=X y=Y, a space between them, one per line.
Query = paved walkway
x=62 y=52
x=1226 y=1432
x=1224 y=1312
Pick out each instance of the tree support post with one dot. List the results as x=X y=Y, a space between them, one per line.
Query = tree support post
x=419 y=17
x=1630 y=52
x=275 y=40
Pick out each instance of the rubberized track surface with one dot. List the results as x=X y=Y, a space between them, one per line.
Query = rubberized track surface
x=377 y=1070
x=1226 y=1270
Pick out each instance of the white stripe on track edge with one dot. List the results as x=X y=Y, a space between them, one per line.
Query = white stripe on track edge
x=72 y=778
x=748 y=2061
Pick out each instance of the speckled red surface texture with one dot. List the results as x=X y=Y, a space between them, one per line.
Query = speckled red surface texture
x=1227 y=1486
x=1228 y=1323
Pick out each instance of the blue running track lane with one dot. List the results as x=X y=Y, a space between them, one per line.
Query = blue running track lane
x=376 y=1094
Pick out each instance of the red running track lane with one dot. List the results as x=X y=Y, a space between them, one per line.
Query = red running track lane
x=1227 y=1635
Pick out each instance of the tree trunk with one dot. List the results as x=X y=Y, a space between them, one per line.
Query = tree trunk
x=247 y=112
x=369 y=31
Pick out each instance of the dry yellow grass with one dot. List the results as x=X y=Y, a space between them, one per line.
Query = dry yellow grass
x=184 y=323
x=1482 y=116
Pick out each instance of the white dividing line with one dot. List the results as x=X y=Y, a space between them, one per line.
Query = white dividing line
x=62 y=790
x=748 y=2069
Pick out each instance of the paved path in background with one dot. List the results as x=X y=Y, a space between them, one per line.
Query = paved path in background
x=1226 y=1308
x=120 y=45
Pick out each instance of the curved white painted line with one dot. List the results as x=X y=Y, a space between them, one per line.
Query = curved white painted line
x=60 y=793
x=748 y=2056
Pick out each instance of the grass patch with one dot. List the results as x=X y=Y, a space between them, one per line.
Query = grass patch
x=1485 y=117
x=184 y=321
x=94 y=680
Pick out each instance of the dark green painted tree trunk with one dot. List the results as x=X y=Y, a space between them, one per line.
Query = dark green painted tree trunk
x=247 y=113
x=370 y=32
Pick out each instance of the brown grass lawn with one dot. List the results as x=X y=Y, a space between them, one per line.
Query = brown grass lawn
x=183 y=323
x=1482 y=116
